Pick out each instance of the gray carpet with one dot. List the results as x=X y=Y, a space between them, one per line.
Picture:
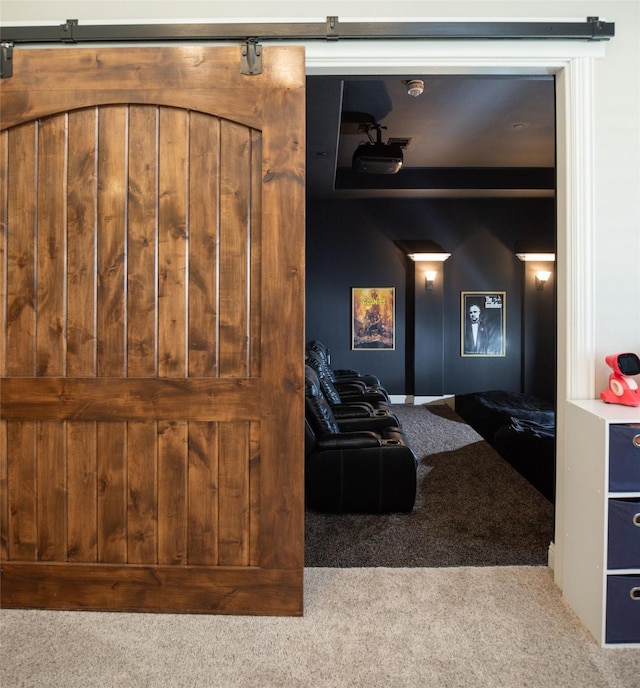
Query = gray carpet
x=472 y=508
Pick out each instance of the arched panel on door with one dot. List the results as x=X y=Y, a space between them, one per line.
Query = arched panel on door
x=151 y=408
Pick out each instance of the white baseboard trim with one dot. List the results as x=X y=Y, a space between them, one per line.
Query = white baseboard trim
x=551 y=556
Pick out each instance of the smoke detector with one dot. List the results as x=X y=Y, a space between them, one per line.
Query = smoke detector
x=415 y=87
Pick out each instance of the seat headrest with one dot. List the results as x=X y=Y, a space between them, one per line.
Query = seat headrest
x=318 y=348
x=311 y=383
x=317 y=410
x=324 y=375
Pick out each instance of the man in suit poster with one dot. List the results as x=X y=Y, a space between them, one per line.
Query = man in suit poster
x=483 y=323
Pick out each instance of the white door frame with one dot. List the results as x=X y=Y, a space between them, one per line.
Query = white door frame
x=571 y=62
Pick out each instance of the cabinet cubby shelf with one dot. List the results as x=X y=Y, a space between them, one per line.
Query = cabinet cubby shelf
x=604 y=452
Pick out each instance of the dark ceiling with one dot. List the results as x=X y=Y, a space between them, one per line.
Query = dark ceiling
x=468 y=136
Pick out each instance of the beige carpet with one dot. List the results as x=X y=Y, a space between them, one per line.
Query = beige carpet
x=363 y=627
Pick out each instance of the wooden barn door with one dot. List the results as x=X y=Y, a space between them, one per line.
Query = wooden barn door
x=151 y=439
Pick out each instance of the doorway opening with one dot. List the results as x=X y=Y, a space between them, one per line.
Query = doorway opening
x=367 y=215
x=572 y=67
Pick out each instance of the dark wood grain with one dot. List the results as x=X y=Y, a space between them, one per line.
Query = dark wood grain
x=21 y=490
x=113 y=398
x=112 y=493
x=235 y=231
x=151 y=379
x=82 y=192
x=203 y=494
x=234 y=495
x=50 y=246
x=142 y=493
x=142 y=219
x=21 y=258
x=111 y=246
x=173 y=234
x=204 y=231
x=51 y=488
x=189 y=590
x=82 y=490
x=4 y=495
x=172 y=492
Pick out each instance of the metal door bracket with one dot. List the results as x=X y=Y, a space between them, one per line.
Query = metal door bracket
x=251 y=58
x=6 y=60
x=67 y=31
x=332 y=29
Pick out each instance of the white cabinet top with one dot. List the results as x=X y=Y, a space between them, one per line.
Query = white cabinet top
x=612 y=413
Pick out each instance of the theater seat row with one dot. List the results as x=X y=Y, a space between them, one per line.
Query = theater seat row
x=357 y=458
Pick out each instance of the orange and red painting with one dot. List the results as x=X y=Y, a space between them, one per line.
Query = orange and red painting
x=373 y=317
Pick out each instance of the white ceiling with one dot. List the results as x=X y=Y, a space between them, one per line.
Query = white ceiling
x=458 y=122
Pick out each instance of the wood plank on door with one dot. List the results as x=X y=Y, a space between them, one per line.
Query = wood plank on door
x=152 y=384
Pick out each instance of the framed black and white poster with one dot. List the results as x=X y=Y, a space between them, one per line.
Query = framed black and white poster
x=483 y=323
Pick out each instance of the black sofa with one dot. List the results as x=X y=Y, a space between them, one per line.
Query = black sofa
x=340 y=375
x=355 y=465
x=346 y=390
x=520 y=427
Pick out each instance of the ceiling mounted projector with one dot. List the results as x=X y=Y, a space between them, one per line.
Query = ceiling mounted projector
x=377 y=157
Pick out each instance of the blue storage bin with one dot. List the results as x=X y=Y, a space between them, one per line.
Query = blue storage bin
x=624 y=534
x=623 y=609
x=624 y=458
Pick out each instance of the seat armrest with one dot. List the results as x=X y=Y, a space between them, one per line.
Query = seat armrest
x=353 y=410
x=368 y=396
x=349 y=440
x=350 y=387
x=344 y=375
x=377 y=423
x=346 y=372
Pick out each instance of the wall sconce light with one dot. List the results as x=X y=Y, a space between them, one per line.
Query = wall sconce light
x=540 y=257
x=429 y=279
x=421 y=250
x=541 y=278
x=417 y=257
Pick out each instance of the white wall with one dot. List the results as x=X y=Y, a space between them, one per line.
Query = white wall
x=617 y=165
x=616 y=115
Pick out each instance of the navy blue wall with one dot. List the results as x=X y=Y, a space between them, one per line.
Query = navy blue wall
x=350 y=243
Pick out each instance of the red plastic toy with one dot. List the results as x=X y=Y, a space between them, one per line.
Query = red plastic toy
x=622 y=388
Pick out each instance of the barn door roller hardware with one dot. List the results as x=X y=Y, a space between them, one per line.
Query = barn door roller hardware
x=251 y=58
x=593 y=29
x=6 y=60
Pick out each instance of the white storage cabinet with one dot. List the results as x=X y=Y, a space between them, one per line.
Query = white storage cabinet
x=602 y=519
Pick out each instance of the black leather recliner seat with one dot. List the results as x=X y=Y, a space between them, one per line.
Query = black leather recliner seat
x=354 y=414
x=362 y=469
x=358 y=401
x=340 y=375
x=344 y=392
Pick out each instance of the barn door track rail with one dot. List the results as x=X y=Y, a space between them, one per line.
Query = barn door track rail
x=593 y=29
